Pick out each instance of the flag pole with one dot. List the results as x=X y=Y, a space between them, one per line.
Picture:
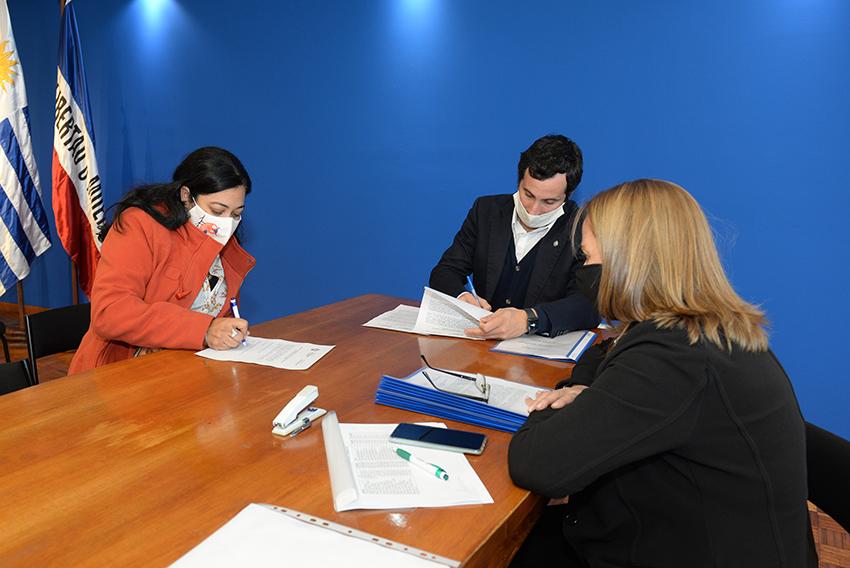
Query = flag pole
x=75 y=290
x=22 y=309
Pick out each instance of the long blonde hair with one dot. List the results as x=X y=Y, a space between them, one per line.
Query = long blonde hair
x=659 y=263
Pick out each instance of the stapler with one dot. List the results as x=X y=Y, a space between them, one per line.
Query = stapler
x=298 y=415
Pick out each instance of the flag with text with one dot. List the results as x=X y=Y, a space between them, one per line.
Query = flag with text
x=77 y=195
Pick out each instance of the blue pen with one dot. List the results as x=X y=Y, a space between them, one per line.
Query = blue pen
x=472 y=289
x=235 y=309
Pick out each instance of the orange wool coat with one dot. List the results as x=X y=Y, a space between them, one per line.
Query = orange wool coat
x=146 y=280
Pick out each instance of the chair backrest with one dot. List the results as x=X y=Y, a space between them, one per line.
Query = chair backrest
x=14 y=376
x=55 y=331
x=828 y=461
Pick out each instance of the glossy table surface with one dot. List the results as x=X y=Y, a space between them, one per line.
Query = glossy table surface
x=137 y=462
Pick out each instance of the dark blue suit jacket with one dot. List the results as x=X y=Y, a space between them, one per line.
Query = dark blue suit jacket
x=479 y=248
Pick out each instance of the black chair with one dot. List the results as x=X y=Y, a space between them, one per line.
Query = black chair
x=5 y=342
x=828 y=460
x=55 y=331
x=14 y=376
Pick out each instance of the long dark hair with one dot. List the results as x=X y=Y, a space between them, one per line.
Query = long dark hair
x=204 y=171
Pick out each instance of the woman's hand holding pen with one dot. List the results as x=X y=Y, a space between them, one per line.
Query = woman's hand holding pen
x=226 y=333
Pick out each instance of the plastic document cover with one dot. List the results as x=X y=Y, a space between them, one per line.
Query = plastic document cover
x=264 y=535
x=366 y=472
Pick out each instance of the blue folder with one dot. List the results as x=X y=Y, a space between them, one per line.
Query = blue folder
x=571 y=356
x=401 y=394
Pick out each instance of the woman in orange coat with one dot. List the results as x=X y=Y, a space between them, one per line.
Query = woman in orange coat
x=170 y=265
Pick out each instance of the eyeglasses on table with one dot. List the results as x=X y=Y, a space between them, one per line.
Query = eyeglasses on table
x=479 y=380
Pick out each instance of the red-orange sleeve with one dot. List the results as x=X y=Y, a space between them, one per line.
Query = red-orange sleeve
x=128 y=262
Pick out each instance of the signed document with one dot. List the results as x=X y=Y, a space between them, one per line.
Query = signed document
x=272 y=352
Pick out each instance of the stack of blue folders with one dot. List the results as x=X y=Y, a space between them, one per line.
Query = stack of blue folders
x=400 y=394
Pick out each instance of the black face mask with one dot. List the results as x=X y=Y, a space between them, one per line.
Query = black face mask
x=587 y=281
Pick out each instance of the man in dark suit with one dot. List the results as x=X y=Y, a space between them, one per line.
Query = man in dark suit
x=519 y=251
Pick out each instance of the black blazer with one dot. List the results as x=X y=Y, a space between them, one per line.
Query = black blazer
x=479 y=248
x=676 y=455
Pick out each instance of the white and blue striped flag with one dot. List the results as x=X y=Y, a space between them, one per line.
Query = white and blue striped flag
x=24 y=233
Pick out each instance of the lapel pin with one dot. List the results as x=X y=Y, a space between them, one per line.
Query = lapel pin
x=555 y=244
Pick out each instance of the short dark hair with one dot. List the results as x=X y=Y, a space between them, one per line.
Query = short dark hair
x=551 y=155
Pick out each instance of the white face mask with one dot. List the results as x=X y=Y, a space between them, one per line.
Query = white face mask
x=219 y=228
x=536 y=221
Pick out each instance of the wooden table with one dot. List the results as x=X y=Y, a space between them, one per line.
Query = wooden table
x=135 y=463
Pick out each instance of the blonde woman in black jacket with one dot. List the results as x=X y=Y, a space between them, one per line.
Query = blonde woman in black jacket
x=685 y=446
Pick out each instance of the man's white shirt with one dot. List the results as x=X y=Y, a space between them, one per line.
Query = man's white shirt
x=524 y=240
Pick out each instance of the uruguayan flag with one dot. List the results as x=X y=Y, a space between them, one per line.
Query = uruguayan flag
x=24 y=233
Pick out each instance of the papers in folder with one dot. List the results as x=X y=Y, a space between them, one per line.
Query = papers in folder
x=264 y=535
x=438 y=314
x=506 y=409
x=272 y=352
x=366 y=473
x=567 y=347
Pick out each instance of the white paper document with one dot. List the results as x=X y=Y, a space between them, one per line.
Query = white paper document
x=566 y=347
x=506 y=395
x=272 y=352
x=366 y=472
x=261 y=535
x=440 y=314
x=401 y=318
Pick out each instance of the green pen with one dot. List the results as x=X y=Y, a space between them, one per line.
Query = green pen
x=436 y=470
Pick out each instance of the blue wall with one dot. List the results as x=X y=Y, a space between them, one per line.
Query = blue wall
x=369 y=126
